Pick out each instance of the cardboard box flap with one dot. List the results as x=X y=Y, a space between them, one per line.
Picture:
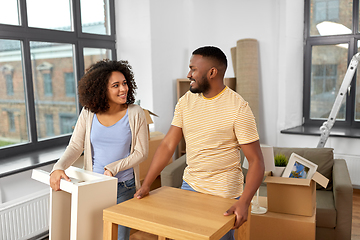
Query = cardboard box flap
x=147 y=115
x=320 y=179
x=152 y=113
x=288 y=181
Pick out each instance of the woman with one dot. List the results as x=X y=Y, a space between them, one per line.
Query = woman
x=111 y=130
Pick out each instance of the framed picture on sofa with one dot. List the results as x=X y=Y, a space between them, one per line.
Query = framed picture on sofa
x=299 y=167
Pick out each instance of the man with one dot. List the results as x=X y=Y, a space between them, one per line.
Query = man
x=215 y=122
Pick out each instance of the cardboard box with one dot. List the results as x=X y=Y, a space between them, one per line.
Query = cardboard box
x=154 y=142
x=293 y=195
x=281 y=226
x=231 y=83
x=148 y=119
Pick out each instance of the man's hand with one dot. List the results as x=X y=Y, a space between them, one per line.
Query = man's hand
x=254 y=177
x=142 y=192
x=55 y=178
x=241 y=212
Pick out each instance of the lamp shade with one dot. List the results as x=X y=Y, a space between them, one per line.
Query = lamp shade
x=268 y=155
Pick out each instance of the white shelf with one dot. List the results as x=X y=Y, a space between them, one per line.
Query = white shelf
x=76 y=210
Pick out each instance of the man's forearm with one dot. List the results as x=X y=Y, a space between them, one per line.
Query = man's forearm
x=159 y=162
x=163 y=154
x=254 y=178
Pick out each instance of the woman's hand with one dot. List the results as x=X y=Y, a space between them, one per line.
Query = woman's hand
x=108 y=173
x=55 y=178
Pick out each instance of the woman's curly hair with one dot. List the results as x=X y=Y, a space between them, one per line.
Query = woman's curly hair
x=93 y=86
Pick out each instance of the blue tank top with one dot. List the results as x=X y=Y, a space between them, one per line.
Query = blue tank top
x=109 y=144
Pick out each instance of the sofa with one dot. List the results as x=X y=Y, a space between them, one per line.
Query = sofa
x=333 y=204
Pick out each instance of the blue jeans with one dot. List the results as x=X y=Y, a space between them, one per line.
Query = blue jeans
x=230 y=234
x=126 y=191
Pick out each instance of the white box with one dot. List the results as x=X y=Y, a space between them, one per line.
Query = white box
x=76 y=211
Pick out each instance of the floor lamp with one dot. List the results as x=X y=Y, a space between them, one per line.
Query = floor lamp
x=268 y=155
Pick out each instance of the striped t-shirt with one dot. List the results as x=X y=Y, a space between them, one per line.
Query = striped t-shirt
x=213 y=129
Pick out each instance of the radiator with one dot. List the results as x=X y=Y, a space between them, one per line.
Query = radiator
x=353 y=164
x=26 y=217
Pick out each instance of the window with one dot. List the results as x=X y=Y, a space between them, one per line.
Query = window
x=8 y=71
x=9 y=84
x=11 y=121
x=332 y=39
x=324 y=79
x=44 y=68
x=95 y=12
x=11 y=59
x=328 y=17
x=47 y=84
x=59 y=10
x=49 y=125
x=69 y=84
x=9 y=12
x=326 y=10
x=67 y=123
x=40 y=64
x=92 y=55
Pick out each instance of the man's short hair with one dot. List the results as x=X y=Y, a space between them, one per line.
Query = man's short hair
x=212 y=52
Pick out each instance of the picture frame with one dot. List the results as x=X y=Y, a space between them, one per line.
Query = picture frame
x=299 y=167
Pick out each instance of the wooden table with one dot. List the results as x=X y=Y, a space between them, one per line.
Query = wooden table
x=172 y=213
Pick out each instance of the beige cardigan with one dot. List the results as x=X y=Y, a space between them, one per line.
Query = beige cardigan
x=80 y=142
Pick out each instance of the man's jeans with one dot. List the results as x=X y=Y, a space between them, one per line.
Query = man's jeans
x=230 y=234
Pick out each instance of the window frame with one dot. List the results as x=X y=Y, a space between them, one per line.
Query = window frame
x=311 y=41
x=25 y=35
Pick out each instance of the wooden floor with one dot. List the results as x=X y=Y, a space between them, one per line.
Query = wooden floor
x=355 y=233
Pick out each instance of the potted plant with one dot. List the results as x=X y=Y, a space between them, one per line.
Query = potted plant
x=280 y=163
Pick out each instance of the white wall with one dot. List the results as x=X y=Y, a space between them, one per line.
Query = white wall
x=170 y=21
x=179 y=27
x=133 y=36
x=175 y=28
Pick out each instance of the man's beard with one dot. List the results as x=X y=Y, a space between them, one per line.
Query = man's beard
x=203 y=86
